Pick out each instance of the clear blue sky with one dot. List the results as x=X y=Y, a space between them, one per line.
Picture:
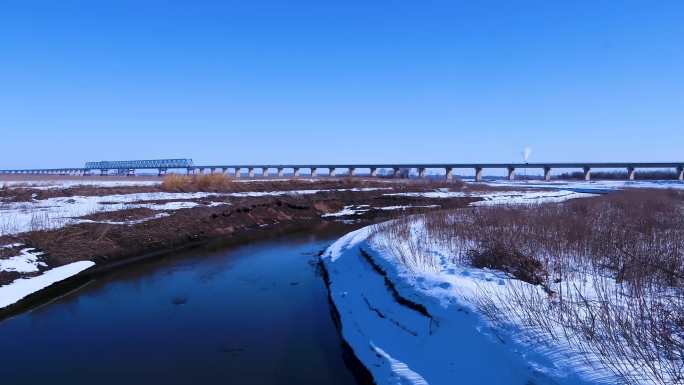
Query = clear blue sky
x=346 y=81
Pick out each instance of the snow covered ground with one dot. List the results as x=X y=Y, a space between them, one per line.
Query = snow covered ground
x=22 y=287
x=598 y=185
x=70 y=183
x=502 y=197
x=362 y=209
x=420 y=325
x=348 y=211
x=51 y=213
x=27 y=261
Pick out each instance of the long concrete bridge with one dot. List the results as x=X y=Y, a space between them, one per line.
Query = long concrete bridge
x=397 y=169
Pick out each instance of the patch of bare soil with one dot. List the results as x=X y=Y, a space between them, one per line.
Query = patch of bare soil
x=121 y=215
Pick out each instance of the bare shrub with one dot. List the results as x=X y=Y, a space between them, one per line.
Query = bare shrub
x=495 y=255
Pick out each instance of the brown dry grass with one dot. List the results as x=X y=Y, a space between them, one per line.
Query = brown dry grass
x=186 y=183
x=631 y=243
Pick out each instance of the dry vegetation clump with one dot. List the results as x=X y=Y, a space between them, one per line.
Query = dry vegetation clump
x=611 y=269
x=187 y=183
x=495 y=255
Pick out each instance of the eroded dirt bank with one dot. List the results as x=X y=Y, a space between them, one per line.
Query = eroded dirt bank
x=113 y=239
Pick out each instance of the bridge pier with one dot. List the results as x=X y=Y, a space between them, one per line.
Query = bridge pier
x=295 y=172
x=422 y=172
x=264 y=172
x=250 y=172
x=397 y=172
x=162 y=172
x=103 y=172
x=478 y=174
x=352 y=171
x=547 y=173
x=587 y=173
x=236 y=174
x=281 y=172
x=373 y=172
x=511 y=173
x=631 y=173
x=331 y=172
x=449 y=173
x=314 y=172
x=680 y=173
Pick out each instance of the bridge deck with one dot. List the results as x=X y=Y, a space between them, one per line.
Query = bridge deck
x=554 y=165
x=129 y=167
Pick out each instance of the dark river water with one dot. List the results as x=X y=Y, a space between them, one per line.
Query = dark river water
x=256 y=314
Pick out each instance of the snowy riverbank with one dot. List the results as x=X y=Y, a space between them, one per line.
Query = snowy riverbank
x=422 y=325
x=23 y=287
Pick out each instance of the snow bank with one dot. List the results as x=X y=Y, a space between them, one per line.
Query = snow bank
x=22 y=287
x=406 y=207
x=348 y=211
x=362 y=209
x=502 y=197
x=421 y=327
x=26 y=262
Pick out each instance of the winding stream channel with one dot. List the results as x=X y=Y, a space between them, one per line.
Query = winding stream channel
x=254 y=314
